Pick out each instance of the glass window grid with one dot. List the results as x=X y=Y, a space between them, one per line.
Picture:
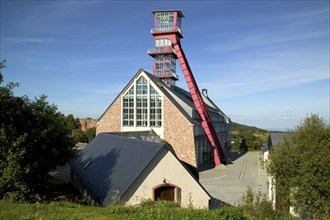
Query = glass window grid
x=165 y=65
x=142 y=107
x=164 y=21
x=155 y=108
x=142 y=102
x=128 y=108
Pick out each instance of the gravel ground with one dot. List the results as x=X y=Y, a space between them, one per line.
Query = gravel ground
x=229 y=183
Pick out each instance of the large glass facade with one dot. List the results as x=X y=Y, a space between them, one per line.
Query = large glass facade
x=145 y=105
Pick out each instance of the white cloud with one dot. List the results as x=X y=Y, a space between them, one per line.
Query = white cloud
x=28 y=40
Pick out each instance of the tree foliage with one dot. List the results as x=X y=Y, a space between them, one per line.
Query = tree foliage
x=79 y=136
x=72 y=122
x=90 y=133
x=34 y=138
x=253 y=137
x=258 y=206
x=77 y=133
x=301 y=167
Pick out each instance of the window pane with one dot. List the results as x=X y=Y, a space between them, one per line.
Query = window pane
x=131 y=91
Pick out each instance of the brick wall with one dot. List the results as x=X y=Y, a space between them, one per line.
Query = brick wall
x=111 y=121
x=87 y=123
x=179 y=133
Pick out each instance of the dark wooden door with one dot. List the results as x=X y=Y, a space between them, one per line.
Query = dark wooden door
x=165 y=193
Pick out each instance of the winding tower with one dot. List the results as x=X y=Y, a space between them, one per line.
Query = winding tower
x=167 y=34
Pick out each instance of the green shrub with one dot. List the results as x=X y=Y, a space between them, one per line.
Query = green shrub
x=229 y=213
x=256 y=205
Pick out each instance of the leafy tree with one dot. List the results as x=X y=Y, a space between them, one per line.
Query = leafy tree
x=79 y=136
x=301 y=167
x=76 y=133
x=34 y=138
x=90 y=133
x=72 y=122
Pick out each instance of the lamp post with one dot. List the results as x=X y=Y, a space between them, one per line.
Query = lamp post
x=74 y=128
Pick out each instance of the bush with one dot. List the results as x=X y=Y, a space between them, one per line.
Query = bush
x=258 y=206
x=301 y=168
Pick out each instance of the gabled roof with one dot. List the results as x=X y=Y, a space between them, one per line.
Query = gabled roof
x=179 y=97
x=209 y=102
x=141 y=135
x=111 y=163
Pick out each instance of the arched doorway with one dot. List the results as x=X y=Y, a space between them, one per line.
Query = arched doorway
x=166 y=192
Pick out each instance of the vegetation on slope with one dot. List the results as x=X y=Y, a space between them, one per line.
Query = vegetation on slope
x=241 y=128
x=248 y=137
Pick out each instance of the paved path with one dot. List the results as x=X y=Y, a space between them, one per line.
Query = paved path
x=229 y=183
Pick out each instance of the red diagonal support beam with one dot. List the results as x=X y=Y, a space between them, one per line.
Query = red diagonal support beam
x=206 y=122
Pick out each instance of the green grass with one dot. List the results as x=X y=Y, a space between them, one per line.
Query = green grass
x=66 y=210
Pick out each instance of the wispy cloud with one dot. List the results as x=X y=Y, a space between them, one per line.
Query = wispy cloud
x=104 y=90
x=263 y=39
x=28 y=40
x=94 y=61
x=224 y=88
x=82 y=53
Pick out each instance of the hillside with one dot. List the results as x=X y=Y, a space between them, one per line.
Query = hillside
x=242 y=128
x=254 y=137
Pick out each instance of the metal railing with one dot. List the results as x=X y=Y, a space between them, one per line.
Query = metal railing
x=166 y=73
x=164 y=49
x=166 y=29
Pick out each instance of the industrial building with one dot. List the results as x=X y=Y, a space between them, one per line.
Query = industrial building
x=155 y=136
x=147 y=103
x=154 y=102
x=115 y=168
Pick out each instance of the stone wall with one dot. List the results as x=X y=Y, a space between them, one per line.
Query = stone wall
x=110 y=121
x=179 y=133
x=177 y=130
x=87 y=123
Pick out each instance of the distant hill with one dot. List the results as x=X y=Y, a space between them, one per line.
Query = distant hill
x=242 y=128
x=254 y=137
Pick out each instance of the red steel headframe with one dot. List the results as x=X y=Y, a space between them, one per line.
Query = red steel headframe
x=174 y=36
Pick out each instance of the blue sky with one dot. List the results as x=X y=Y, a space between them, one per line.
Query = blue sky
x=264 y=63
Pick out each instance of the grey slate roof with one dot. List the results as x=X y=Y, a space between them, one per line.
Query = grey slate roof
x=141 y=135
x=209 y=102
x=275 y=138
x=111 y=163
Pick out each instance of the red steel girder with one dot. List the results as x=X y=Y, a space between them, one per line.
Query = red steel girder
x=206 y=122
